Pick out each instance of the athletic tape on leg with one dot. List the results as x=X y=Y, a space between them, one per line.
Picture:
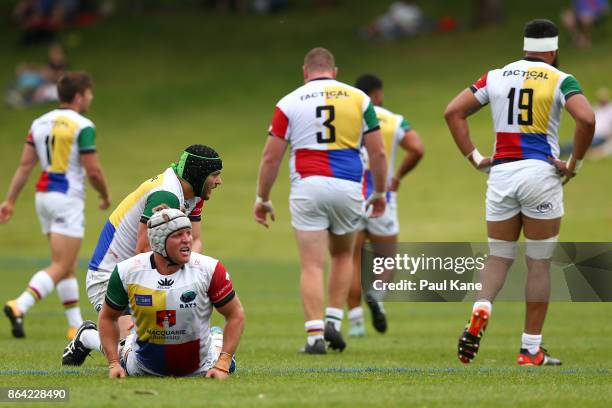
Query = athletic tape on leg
x=540 y=248
x=502 y=249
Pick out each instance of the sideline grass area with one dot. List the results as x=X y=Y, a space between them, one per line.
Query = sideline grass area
x=170 y=79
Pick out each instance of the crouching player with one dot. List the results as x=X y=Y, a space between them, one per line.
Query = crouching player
x=171 y=292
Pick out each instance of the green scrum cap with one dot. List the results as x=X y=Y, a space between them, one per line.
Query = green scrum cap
x=196 y=163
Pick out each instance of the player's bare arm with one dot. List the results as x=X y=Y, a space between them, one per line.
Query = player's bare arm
x=95 y=174
x=196 y=235
x=268 y=171
x=456 y=114
x=234 y=325
x=413 y=145
x=26 y=164
x=378 y=166
x=578 y=106
x=142 y=242
x=109 y=337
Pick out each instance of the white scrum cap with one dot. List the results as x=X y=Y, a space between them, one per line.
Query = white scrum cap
x=162 y=224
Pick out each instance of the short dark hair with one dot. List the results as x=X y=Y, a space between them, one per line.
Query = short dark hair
x=540 y=28
x=368 y=83
x=72 y=83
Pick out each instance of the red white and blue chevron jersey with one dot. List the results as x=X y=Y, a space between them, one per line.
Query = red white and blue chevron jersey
x=324 y=122
x=60 y=137
x=526 y=99
x=171 y=312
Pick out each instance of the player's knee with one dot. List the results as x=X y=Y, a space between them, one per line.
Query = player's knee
x=503 y=249
x=540 y=249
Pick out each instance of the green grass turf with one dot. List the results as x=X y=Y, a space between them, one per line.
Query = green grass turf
x=179 y=77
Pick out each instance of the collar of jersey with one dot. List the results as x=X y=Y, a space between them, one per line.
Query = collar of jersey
x=321 y=79
x=534 y=59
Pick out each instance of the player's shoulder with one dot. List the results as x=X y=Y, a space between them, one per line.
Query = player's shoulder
x=135 y=264
x=81 y=121
x=166 y=182
x=380 y=111
x=202 y=263
x=45 y=117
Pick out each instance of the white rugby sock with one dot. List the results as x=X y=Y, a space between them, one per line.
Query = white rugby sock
x=334 y=315
x=483 y=304
x=314 y=329
x=39 y=287
x=531 y=342
x=68 y=292
x=355 y=316
x=91 y=339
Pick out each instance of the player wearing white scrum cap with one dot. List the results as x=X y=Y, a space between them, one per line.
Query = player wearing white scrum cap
x=171 y=292
x=525 y=175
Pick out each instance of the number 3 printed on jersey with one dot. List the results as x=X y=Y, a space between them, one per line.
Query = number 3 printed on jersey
x=329 y=136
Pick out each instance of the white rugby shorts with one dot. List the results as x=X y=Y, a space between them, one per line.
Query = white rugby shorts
x=530 y=186
x=320 y=203
x=96 y=284
x=60 y=213
x=385 y=225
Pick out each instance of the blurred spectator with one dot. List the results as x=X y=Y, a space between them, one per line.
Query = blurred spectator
x=41 y=20
x=487 y=12
x=581 y=17
x=602 y=139
x=402 y=20
x=36 y=85
x=601 y=146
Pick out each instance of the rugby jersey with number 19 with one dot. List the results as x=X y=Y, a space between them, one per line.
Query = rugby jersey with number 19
x=526 y=99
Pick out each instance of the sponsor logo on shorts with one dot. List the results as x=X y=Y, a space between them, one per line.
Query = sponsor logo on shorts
x=144 y=300
x=60 y=220
x=545 y=207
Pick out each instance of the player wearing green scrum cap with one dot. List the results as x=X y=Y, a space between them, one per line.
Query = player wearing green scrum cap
x=185 y=185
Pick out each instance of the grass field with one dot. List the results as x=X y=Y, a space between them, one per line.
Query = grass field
x=172 y=78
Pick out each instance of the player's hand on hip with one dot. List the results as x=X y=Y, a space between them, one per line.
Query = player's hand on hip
x=116 y=372
x=6 y=212
x=394 y=185
x=479 y=161
x=378 y=203
x=217 y=374
x=261 y=211
x=484 y=165
x=565 y=170
x=105 y=202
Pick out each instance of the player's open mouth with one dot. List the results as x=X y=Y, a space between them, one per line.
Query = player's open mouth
x=185 y=250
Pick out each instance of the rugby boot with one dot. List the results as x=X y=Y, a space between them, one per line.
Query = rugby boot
x=469 y=341
x=318 y=347
x=75 y=352
x=525 y=358
x=16 y=318
x=379 y=317
x=334 y=337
